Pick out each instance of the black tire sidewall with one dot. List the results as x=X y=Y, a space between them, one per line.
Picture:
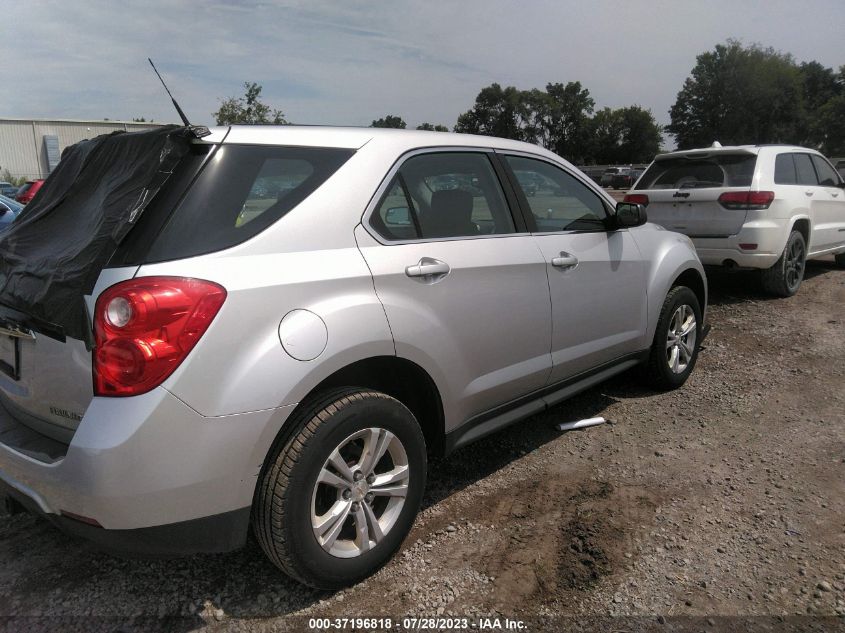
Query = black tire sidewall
x=676 y=298
x=793 y=237
x=323 y=569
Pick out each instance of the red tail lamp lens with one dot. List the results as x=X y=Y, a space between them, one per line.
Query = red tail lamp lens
x=636 y=198
x=747 y=200
x=144 y=328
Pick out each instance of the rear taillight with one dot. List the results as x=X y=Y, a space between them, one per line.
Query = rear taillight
x=636 y=198
x=144 y=328
x=747 y=200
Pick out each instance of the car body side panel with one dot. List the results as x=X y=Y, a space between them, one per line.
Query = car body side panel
x=669 y=255
x=598 y=306
x=240 y=364
x=483 y=331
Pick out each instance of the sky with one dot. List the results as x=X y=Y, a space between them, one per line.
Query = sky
x=347 y=63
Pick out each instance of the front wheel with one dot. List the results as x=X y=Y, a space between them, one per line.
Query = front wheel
x=785 y=277
x=337 y=500
x=677 y=338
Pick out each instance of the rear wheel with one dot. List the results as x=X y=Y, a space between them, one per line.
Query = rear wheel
x=785 y=277
x=674 y=350
x=336 y=500
x=840 y=260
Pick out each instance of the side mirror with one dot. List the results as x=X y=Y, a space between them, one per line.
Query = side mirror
x=629 y=214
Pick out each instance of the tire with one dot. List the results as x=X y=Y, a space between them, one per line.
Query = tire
x=662 y=372
x=785 y=277
x=288 y=493
x=840 y=260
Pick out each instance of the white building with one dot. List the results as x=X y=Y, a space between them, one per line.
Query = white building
x=30 y=148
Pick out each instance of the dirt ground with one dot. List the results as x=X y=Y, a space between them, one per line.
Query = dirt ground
x=724 y=498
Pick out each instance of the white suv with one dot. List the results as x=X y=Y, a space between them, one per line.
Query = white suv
x=767 y=206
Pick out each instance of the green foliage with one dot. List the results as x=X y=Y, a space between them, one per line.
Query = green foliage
x=433 y=128
x=560 y=119
x=6 y=176
x=748 y=95
x=391 y=120
x=248 y=109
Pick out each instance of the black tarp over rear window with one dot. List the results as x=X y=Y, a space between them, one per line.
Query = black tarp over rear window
x=52 y=255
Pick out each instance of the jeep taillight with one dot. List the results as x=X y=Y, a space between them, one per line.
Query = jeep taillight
x=144 y=328
x=747 y=200
x=636 y=198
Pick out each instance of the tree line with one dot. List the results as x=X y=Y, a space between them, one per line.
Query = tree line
x=735 y=94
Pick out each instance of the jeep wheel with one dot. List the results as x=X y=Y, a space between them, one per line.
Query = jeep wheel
x=674 y=350
x=785 y=277
x=337 y=498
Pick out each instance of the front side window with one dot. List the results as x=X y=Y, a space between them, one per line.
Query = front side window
x=443 y=195
x=827 y=175
x=558 y=201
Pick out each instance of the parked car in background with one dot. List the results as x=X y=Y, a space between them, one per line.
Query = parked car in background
x=770 y=207
x=9 y=210
x=28 y=190
x=625 y=179
x=609 y=174
x=293 y=370
x=8 y=189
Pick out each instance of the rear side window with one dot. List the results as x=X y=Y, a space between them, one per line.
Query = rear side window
x=441 y=195
x=242 y=190
x=804 y=171
x=827 y=175
x=720 y=170
x=785 y=170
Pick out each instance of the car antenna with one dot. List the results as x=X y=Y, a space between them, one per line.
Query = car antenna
x=198 y=130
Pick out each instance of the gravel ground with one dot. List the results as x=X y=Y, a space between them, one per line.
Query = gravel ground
x=724 y=498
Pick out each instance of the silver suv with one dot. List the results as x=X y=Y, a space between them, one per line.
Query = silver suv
x=302 y=315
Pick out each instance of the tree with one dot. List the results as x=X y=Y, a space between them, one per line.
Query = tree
x=141 y=119
x=560 y=119
x=829 y=127
x=823 y=90
x=737 y=95
x=433 y=128
x=248 y=109
x=391 y=120
x=498 y=111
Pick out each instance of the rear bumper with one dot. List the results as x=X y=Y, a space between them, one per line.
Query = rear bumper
x=158 y=477
x=767 y=235
x=213 y=534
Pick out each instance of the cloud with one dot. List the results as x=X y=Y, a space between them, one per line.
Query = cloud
x=352 y=62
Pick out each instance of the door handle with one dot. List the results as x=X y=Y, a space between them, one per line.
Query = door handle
x=835 y=194
x=808 y=192
x=565 y=261
x=428 y=267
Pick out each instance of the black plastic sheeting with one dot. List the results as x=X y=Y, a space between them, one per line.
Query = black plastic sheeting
x=53 y=253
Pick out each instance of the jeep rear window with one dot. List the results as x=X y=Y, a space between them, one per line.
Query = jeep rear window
x=241 y=191
x=721 y=170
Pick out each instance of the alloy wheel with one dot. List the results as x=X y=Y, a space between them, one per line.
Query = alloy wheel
x=795 y=264
x=680 y=342
x=360 y=492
